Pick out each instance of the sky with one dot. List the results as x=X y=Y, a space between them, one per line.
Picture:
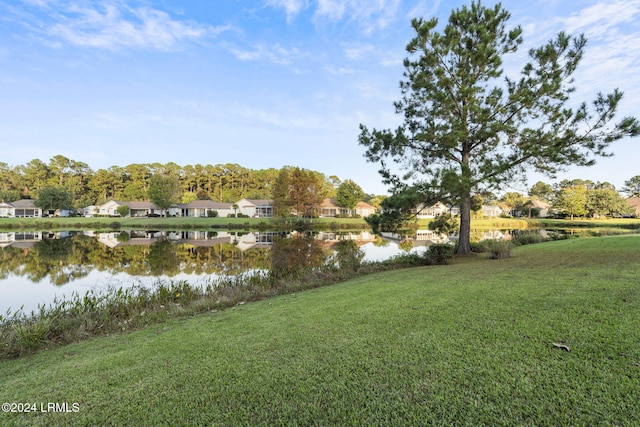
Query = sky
x=260 y=83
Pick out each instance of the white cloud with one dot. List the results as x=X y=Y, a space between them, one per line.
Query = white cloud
x=332 y=9
x=357 y=51
x=338 y=71
x=370 y=15
x=274 y=53
x=422 y=9
x=602 y=17
x=113 y=25
x=291 y=7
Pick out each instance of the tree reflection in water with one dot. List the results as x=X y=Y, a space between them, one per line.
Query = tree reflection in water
x=291 y=257
x=63 y=257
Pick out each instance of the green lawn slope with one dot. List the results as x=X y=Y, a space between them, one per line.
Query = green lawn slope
x=550 y=336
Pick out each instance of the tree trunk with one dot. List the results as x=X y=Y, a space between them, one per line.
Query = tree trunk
x=464 y=238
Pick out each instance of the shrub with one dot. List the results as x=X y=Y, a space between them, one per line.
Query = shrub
x=439 y=254
x=499 y=249
x=480 y=247
x=527 y=238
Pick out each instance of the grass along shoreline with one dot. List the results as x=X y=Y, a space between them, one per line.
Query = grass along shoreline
x=178 y=223
x=467 y=344
x=92 y=314
x=270 y=223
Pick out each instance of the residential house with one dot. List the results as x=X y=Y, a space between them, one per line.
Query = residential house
x=491 y=211
x=256 y=208
x=634 y=202
x=6 y=210
x=329 y=209
x=433 y=211
x=23 y=208
x=90 y=211
x=365 y=209
x=136 y=209
x=202 y=208
x=541 y=206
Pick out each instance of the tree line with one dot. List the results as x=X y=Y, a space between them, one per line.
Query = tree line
x=81 y=186
x=580 y=197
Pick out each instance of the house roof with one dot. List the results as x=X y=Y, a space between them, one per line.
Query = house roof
x=328 y=203
x=259 y=202
x=138 y=205
x=539 y=204
x=206 y=204
x=487 y=207
x=634 y=202
x=364 y=205
x=24 y=203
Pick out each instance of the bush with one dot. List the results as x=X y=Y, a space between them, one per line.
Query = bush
x=480 y=247
x=499 y=249
x=527 y=238
x=439 y=254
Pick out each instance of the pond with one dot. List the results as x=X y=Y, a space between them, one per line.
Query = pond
x=38 y=267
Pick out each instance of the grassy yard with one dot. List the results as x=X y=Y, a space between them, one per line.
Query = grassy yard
x=548 y=337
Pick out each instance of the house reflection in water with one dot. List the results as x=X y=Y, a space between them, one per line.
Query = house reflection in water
x=243 y=241
x=21 y=240
x=26 y=239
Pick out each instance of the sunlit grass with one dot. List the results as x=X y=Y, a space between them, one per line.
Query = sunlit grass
x=467 y=344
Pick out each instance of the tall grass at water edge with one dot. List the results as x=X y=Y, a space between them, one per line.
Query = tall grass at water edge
x=127 y=308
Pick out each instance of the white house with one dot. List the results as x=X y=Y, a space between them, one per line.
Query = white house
x=6 y=210
x=365 y=209
x=23 y=208
x=256 y=208
x=329 y=209
x=433 y=211
x=491 y=211
x=201 y=208
x=136 y=209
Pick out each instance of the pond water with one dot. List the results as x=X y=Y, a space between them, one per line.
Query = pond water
x=38 y=267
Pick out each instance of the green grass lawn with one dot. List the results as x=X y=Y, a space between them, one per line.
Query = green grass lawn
x=471 y=343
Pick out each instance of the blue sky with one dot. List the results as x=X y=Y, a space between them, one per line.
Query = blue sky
x=261 y=83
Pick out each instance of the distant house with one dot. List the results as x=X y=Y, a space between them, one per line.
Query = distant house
x=201 y=208
x=542 y=207
x=136 y=209
x=634 y=203
x=491 y=211
x=90 y=211
x=23 y=208
x=365 y=209
x=329 y=209
x=422 y=211
x=6 y=210
x=256 y=208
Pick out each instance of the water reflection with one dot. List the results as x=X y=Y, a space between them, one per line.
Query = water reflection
x=35 y=267
x=79 y=261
